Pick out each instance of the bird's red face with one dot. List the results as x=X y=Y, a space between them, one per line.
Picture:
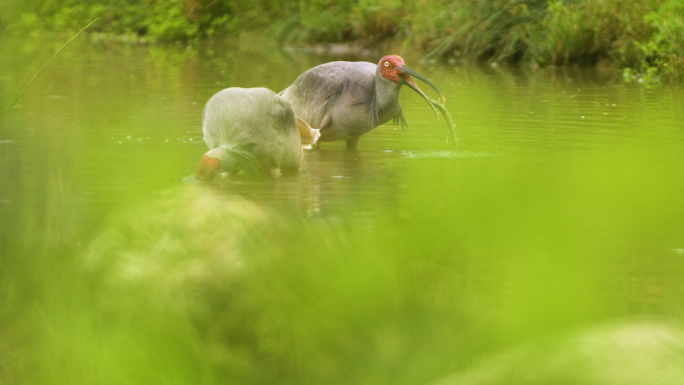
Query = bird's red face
x=392 y=68
x=207 y=168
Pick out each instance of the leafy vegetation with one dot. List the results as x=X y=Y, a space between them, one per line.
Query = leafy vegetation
x=663 y=52
x=645 y=37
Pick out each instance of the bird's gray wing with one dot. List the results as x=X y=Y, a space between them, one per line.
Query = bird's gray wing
x=316 y=90
x=281 y=115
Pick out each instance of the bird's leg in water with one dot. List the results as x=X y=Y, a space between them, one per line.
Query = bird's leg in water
x=272 y=169
x=353 y=143
x=327 y=118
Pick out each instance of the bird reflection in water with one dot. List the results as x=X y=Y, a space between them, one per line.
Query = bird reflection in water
x=330 y=182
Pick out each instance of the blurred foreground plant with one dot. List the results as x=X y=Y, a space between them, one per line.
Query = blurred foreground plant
x=199 y=287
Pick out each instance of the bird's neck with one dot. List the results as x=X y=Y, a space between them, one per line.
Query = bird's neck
x=386 y=92
x=222 y=154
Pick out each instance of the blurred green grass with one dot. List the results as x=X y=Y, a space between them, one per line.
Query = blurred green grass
x=196 y=286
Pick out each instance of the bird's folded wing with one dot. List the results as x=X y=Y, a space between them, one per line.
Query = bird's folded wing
x=308 y=135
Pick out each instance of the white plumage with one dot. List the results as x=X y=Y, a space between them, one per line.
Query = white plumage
x=252 y=130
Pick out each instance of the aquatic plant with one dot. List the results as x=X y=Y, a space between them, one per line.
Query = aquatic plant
x=447 y=116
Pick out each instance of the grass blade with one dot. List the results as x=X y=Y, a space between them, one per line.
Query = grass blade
x=18 y=94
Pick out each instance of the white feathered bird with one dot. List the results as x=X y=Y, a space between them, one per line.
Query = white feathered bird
x=252 y=130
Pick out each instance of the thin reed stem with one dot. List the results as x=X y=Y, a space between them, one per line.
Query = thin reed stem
x=18 y=94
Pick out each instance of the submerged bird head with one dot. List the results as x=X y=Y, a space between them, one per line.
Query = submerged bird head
x=208 y=166
x=392 y=68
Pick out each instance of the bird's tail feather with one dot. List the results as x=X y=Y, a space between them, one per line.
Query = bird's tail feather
x=307 y=134
x=245 y=161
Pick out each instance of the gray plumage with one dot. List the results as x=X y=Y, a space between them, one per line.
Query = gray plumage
x=344 y=99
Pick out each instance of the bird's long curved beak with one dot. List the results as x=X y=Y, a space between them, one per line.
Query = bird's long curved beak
x=404 y=73
x=409 y=82
x=409 y=71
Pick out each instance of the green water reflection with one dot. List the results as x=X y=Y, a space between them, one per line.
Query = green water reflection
x=559 y=208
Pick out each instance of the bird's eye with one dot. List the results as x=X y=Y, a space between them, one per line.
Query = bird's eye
x=386 y=64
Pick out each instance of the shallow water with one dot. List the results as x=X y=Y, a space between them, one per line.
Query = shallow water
x=560 y=205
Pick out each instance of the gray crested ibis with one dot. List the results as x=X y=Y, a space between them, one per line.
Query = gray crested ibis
x=345 y=100
x=252 y=130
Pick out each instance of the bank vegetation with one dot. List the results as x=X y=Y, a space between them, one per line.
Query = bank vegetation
x=645 y=38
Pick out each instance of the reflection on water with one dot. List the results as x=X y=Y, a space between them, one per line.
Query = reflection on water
x=442 y=154
x=413 y=259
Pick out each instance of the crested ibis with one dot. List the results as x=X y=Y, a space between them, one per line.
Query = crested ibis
x=252 y=130
x=345 y=100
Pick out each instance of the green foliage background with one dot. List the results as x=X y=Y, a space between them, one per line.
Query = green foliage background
x=645 y=36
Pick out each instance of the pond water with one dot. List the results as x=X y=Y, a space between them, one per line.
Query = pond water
x=560 y=206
